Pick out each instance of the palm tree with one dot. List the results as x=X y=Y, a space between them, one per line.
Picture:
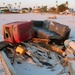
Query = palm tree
x=19 y=5
x=3 y=3
x=9 y=6
x=30 y=9
x=34 y=7
x=15 y=5
x=56 y=3
x=38 y=7
x=57 y=6
x=62 y=7
x=66 y=3
x=53 y=9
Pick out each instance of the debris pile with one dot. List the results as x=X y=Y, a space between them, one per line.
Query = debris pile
x=50 y=58
x=45 y=50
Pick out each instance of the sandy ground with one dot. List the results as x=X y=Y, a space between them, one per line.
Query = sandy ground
x=64 y=19
x=2 y=70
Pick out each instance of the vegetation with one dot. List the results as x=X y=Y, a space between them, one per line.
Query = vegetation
x=30 y=9
x=59 y=8
x=44 y=8
x=62 y=7
x=52 y=9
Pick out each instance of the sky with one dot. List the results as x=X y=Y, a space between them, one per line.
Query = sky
x=32 y=3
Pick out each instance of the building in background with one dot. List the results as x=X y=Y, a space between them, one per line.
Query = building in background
x=37 y=10
x=24 y=10
x=4 y=10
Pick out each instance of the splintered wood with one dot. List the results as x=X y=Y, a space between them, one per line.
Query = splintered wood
x=40 y=56
x=38 y=40
x=57 y=50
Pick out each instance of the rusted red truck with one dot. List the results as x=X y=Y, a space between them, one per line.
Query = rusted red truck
x=16 y=32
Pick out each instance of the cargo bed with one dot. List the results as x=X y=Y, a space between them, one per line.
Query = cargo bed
x=26 y=65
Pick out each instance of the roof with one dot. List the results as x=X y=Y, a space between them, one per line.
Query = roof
x=3 y=7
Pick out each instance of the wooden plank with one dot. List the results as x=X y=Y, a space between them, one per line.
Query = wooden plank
x=39 y=47
x=54 y=49
x=8 y=67
x=38 y=40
